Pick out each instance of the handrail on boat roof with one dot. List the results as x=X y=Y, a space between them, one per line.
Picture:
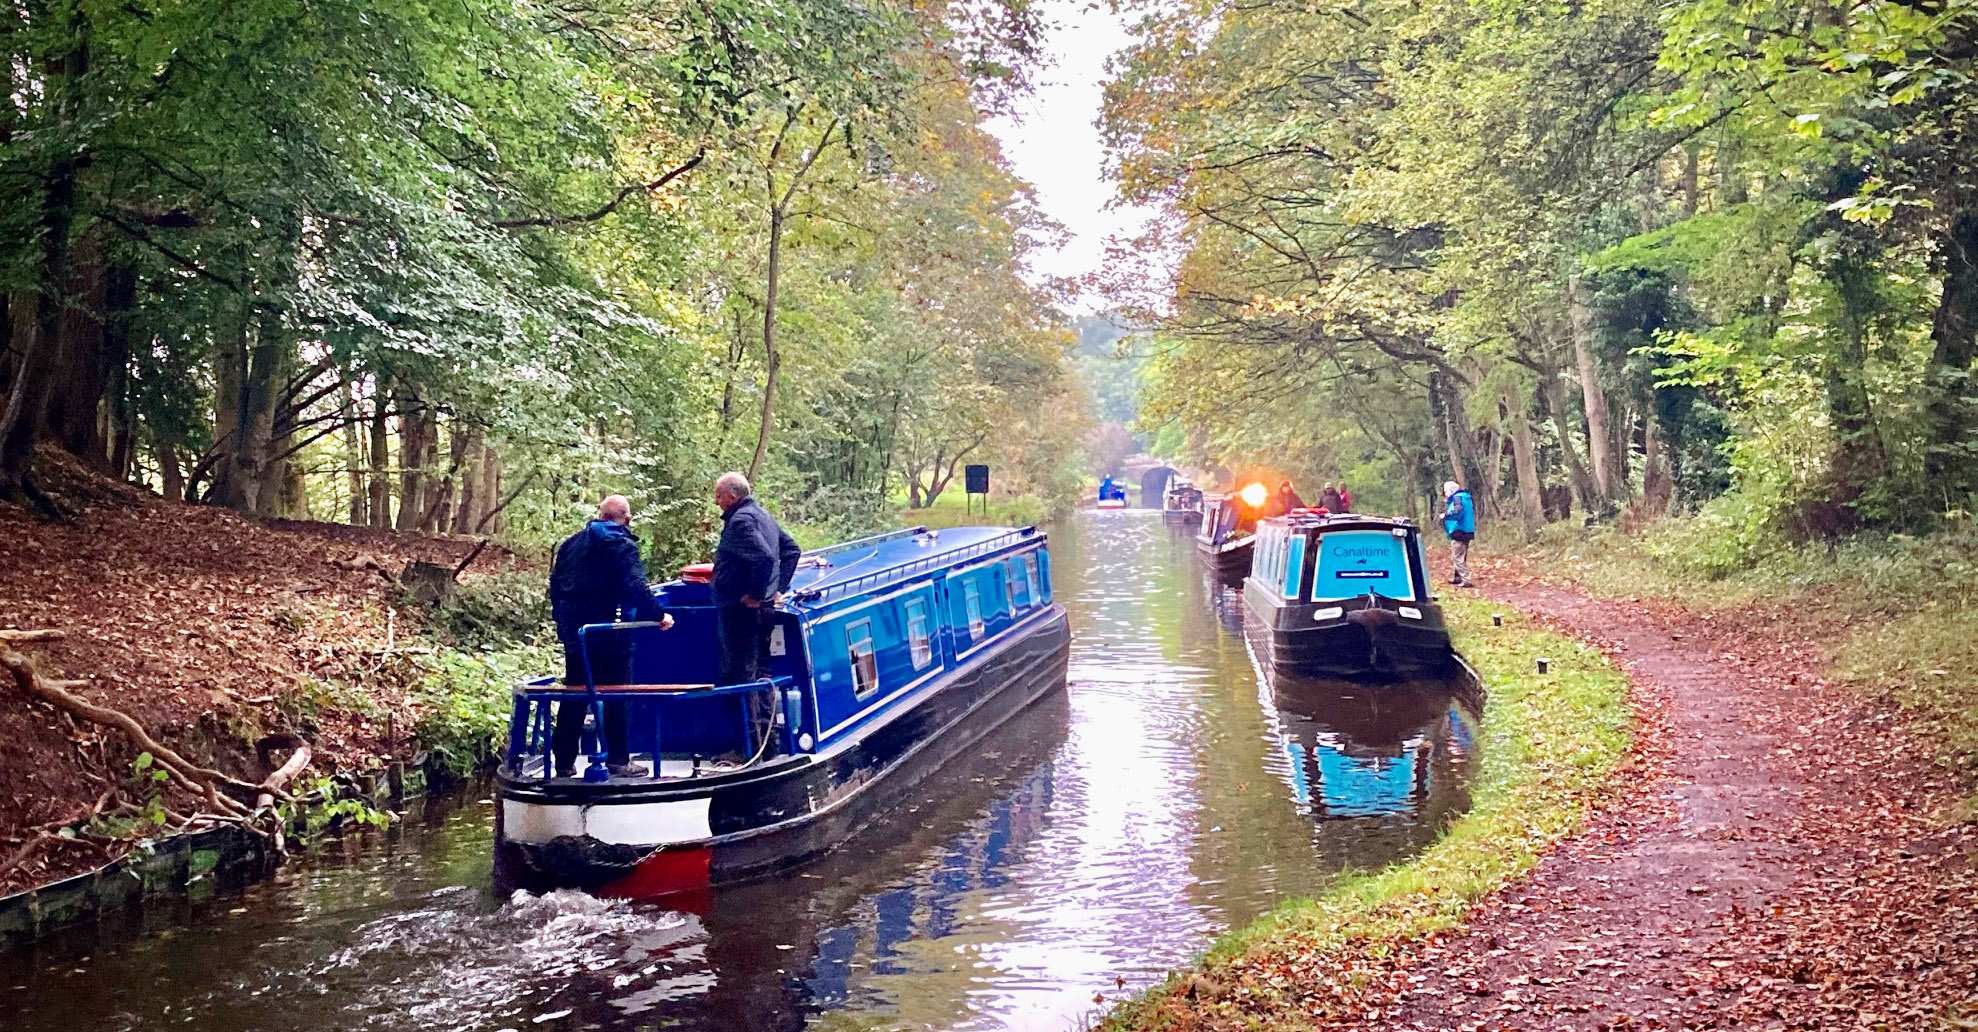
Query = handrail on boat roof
x=870 y=539
x=916 y=565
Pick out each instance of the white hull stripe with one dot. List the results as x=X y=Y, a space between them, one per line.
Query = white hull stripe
x=628 y=824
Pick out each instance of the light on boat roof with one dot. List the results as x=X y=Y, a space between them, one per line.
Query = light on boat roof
x=1254 y=495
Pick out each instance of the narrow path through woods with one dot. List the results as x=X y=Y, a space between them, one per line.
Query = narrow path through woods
x=1780 y=860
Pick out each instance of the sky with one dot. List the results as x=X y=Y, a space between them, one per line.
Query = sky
x=1052 y=143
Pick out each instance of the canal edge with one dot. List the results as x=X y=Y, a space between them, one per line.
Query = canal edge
x=1558 y=748
x=177 y=865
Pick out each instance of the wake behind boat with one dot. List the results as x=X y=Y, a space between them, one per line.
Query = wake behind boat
x=892 y=654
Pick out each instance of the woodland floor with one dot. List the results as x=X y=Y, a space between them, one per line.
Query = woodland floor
x=212 y=630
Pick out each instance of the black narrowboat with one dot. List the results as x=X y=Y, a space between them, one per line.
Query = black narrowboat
x=1181 y=504
x=889 y=656
x=1229 y=526
x=1345 y=595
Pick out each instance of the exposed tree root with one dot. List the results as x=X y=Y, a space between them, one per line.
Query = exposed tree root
x=223 y=793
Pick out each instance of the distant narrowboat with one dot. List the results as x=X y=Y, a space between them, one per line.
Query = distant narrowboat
x=1345 y=595
x=1182 y=503
x=1229 y=526
x=889 y=656
x=1112 y=494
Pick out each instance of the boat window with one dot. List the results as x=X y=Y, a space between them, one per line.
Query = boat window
x=972 y=607
x=1294 y=565
x=1030 y=576
x=919 y=641
x=865 y=665
x=1012 y=579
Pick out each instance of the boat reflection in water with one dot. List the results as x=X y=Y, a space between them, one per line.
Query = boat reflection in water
x=760 y=957
x=1382 y=768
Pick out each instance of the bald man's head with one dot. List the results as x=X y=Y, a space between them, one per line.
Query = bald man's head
x=616 y=509
x=730 y=489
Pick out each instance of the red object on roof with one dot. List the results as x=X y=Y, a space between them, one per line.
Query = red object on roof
x=697 y=573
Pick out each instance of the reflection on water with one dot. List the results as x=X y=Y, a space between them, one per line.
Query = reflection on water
x=1107 y=833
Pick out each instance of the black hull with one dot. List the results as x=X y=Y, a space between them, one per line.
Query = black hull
x=1182 y=516
x=791 y=810
x=1369 y=639
x=1231 y=563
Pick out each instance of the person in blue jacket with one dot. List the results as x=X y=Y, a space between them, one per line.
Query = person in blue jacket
x=1459 y=521
x=753 y=565
x=598 y=577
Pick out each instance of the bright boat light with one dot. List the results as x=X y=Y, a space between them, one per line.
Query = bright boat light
x=1254 y=495
x=1410 y=612
x=1329 y=613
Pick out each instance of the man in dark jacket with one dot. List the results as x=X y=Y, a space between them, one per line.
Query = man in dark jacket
x=598 y=577
x=753 y=566
x=1285 y=500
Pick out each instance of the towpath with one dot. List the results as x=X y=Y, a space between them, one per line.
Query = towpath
x=1781 y=859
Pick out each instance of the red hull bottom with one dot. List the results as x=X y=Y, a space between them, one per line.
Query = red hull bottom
x=679 y=873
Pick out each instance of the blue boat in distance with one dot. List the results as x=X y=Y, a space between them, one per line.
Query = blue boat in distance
x=1112 y=494
x=889 y=655
x=1345 y=594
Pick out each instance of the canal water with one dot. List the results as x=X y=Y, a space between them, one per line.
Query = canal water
x=1104 y=837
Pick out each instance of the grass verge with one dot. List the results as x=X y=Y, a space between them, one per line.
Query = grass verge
x=1548 y=749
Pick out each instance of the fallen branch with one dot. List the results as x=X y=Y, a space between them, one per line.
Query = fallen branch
x=279 y=780
x=365 y=562
x=504 y=503
x=471 y=556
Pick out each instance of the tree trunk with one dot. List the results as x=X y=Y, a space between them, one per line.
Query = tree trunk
x=1524 y=459
x=469 y=454
x=75 y=413
x=1951 y=462
x=119 y=335
x=416 y=444
x=1553 y=393
x=33 y=333
x=380 y=454
x=353 y=459
x=247 y=478
x=1599 y=438
x=170 y=474
x=1658 y=484
x=772 y=359
x=1453 y=423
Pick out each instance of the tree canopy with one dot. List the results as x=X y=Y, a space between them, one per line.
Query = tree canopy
x=1597 y=255
x=446 y=267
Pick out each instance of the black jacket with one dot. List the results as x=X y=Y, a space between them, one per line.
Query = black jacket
x=598 y=576
x=755 y=557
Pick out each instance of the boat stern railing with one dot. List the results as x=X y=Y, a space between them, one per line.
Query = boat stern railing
x=532 y=720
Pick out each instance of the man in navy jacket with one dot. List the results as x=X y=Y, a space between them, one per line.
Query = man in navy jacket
x=753 y=566
x=598 y=577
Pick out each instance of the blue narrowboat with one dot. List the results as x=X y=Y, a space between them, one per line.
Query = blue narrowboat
x=889 y=656
x=1112 y=494
x=1345 y=595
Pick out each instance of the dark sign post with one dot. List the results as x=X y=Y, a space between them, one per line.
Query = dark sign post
x=975 y=481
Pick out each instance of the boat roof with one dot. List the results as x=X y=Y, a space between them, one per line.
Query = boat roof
x=1304 y=518
x=871 y=563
